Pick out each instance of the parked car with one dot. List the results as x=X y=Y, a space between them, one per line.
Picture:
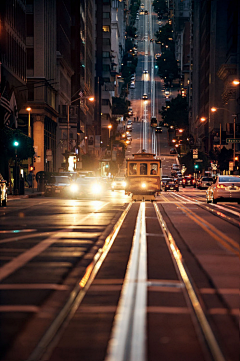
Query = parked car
x=118 y=183
x=3 y=192
x=164 y=181
x=189 y=180
x=145 y=97
x=171 y=185
x=204 y=182
x=58 y=185
x=224 y=188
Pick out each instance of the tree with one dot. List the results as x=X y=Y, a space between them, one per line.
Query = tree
x=167 y=67
x=177 y=113
x=160 y=6
x=119 y=106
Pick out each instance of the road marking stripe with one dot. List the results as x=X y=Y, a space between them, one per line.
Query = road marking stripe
x=223 y=311
x=22 y=259
x=161 y=309
x=214 y=232
x=19 y=308
x=37 y=286
x=226 y=291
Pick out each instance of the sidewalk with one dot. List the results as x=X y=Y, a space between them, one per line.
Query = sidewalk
x=28 y=193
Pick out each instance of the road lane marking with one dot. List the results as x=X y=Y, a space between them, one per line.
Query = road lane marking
x=27 y=256
x=19 y=308
x=36 y=286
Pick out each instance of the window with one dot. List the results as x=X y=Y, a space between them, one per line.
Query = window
x=106 y=67
x=106 y=28
x=132 y=168
x=106 y=41
x=154 y=168
x=30 y=24
x=106 y=54
x=30 y=58
x=106 y=15
x=105 y=102
x=143 y=168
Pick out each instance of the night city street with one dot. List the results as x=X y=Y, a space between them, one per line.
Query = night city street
x=119 y=180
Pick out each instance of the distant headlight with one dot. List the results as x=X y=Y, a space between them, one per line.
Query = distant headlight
x=96 y=188
x=73 y=188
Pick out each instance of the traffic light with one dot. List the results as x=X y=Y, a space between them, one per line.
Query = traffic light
x=196 y=166
x=32 y=168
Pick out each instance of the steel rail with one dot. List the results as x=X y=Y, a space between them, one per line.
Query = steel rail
x=202 y=320
x=127 y=341
x=46 y=344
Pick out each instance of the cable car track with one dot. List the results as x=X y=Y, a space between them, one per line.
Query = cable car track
x=134 y=311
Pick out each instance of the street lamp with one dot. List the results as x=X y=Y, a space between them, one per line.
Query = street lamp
x=91 y=99
x=109 y=130
x=28 y=109
x=214 y=109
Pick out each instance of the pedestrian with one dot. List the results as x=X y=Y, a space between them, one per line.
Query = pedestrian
x=29 y=179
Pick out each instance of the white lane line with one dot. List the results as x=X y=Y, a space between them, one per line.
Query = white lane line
x=22 y=259
x=130 y=309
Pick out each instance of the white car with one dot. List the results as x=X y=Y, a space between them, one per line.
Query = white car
x=204 y=182
x=224 y=187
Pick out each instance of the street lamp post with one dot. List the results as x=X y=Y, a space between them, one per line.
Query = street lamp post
x=91 y=99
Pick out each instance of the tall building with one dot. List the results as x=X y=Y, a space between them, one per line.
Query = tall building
x=12 y=66
x=103 y=70
x=215 y=63
x=42 y=80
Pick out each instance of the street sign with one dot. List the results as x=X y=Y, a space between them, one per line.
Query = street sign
x=195 y=156
x=198 y=160
x=232 y=140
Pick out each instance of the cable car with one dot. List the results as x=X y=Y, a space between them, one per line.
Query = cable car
x=143 y=176
x=153 y=122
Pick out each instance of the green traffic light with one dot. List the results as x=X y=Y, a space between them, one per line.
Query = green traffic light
x=16 y=143
x=196 y=166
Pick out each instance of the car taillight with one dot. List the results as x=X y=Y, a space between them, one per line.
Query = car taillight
x=184 y=181
x=193 y=181
x=220 y=186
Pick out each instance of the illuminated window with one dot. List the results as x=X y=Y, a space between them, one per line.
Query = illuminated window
x=132 y=168
x=106 y=28
x=143 y=168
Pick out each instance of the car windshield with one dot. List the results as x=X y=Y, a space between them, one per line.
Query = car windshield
x=229 y=179
x=59 y=179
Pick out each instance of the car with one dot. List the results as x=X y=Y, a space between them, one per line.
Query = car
x=151 y=40
x=145 y=71
x=93 y=187
x=118 y=183
x=130 y=111
x=58 y=185
x=164 y=180
x=173 y=151
x=224 y=188
x=3 y=192
x=158 y=55
x=137 y=17
x=145 y=97
x=132 y=86
x=129 y=126
x=204 y=182
x=146 y=12
x=171 y=184
x=189 y=180
x=158 y=129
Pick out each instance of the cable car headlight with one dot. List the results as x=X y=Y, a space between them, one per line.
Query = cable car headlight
x=113 y=184
x=143 y=185
x=73 y=188
x=124 y=184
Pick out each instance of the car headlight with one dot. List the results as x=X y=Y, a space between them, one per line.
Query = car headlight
x=96 y=188
x=73 y=188
x=124 y=184
x=143 y=185
x=113 y=184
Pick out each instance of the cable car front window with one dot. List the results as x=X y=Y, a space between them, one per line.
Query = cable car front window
x=132 y=168
x=143 y=168
x=154 y=168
